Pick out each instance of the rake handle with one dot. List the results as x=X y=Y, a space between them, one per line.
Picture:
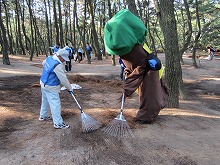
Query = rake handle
x=122 y=102
x=77 y=103
x=123 y=94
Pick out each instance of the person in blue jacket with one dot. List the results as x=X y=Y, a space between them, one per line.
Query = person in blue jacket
x=68 y=65
x=88 y=49
x=52 y=77
x=56 y=48
x=212 y=52
x=72 y=52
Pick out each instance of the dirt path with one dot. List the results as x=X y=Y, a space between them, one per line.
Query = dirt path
x=189 y=135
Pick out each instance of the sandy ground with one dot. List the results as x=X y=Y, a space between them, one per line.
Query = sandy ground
x=189 y=135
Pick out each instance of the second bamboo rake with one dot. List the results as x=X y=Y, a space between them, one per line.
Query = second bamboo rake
x=119 y=127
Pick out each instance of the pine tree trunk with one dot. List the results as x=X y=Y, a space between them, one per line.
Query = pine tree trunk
x=173 y=70
x=4 y=40
x=47 y=27
x=10 y=38
x=19 y=28
x=60 y=23
x=94 y=32
x=56 y=23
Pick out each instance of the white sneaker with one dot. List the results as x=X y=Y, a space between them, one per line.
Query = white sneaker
x=45 y=118
x=61 y=126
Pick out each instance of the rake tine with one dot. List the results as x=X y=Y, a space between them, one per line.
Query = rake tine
x=88 y=128
x=117 y=130
x=108 y=129
x=111 y=132
x=114 y=131
x=122 y=131
x=89 y=124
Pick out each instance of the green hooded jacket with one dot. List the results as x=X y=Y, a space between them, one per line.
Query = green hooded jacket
x=122 y=32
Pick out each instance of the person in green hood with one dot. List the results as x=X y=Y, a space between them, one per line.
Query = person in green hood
x=124 y=35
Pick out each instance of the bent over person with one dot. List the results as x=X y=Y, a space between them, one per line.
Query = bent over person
x=126 y=38
x=52 y=76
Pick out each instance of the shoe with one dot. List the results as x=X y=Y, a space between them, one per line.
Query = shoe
x=45 y=118
x=144 y=122
x=61 y=126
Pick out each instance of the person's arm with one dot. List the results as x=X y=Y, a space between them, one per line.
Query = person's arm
x=133 y=80
x=62 y=77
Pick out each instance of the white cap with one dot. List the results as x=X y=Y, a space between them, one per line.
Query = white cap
x=64 y=54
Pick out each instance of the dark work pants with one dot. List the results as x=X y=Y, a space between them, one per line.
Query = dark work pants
x=68 y=65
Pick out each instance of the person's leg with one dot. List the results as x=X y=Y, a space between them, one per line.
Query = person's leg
x=70 y=65
x=55 y=106
x=150 y=97
x=79 y=55
x=80 y=58
x=76 y=57
x=90 y=55
x=212 y=55
x=66 y=66
x=44 y=105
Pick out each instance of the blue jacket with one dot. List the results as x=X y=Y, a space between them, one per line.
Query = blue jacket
x=55 y=49
x=48 y=76
x=68 y=49
x=72 y=50
x=89 y=48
